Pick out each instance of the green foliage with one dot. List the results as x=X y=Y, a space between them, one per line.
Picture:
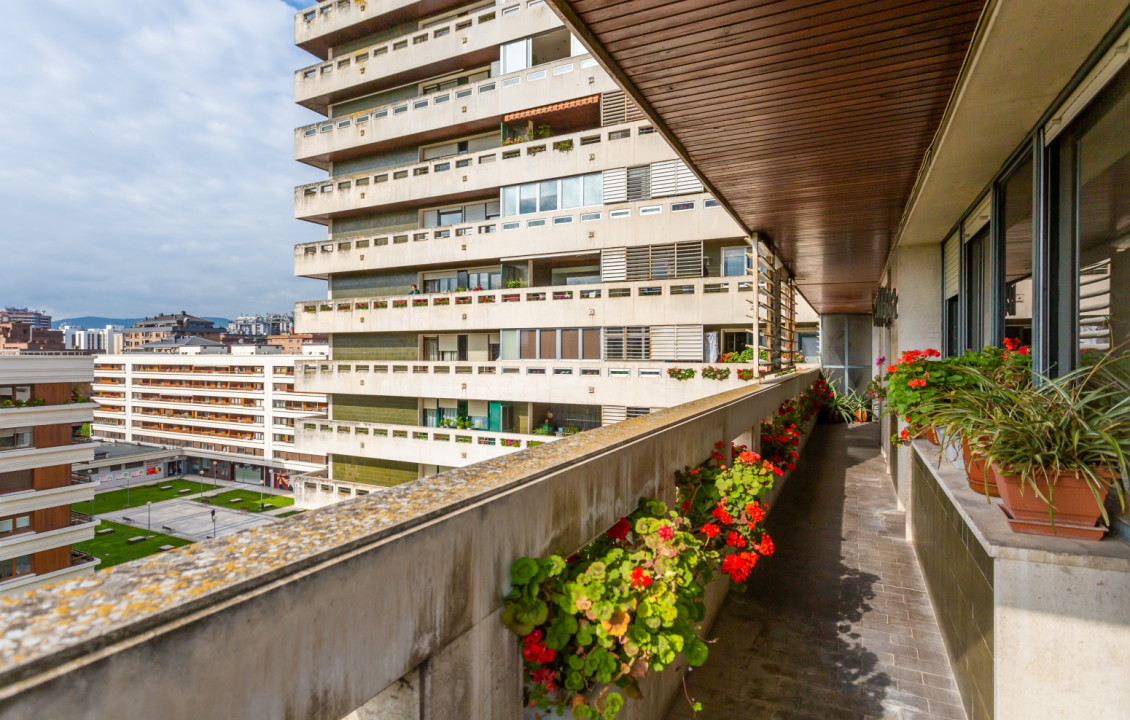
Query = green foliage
x=681 y=373
x=713 y=373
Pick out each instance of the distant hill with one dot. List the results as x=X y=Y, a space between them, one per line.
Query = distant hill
x=93 y=322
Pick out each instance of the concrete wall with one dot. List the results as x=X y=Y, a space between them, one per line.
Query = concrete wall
x=369 y=589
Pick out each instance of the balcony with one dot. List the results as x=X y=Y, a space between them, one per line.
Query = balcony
x=446 y=447
x=79 y=530
x=25 y=501
x=618 y=383
x=457 y=533
x=65 y=414
x=31 y=458
x=479 y=173
x=465 y=42
x=687 y=217
x=323 y=25
x=46 y=367
x=684 y=301
x=476 y=107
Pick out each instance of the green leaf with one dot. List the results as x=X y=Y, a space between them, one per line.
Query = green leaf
x=523 y=570
x=696 y=653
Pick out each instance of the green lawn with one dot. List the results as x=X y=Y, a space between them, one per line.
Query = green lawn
x=249 y=500
x=288 y=513
x=138 y=496
x=113 y=549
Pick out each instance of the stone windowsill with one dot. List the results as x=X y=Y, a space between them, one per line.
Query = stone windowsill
x=987 y=523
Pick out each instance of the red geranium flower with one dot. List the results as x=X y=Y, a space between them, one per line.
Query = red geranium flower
x=711 y=530
x=640 y=578
x=765 y=547
x=620 y=530
x=665 y=532
x=735 y=540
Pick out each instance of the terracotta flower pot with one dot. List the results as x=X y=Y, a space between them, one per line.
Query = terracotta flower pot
x=1075 y=510
x=979 y=480
x=861 y=416
x=932 y=435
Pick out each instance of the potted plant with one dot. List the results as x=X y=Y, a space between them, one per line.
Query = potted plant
x=1057 y=447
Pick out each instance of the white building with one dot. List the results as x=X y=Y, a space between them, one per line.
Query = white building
x=512 y=249
x=105 y=340
x=233 y=414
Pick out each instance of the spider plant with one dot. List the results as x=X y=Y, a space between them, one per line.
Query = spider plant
x=1076 y=424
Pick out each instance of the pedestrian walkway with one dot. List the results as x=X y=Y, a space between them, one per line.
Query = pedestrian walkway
x=837 y=625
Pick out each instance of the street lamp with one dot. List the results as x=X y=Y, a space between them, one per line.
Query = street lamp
x=148 y=518
x=213 y=523
x=127 y=490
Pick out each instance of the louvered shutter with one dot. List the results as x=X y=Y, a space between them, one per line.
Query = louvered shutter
x=686 y=181
x=616 y=108
x=610 y=414
x=615 y=185
x=638 y=263
x=613 y=343
x=951 y=253
x=664 y=343
x=613 y=264
x=688 y=259
x=637 y=343
x=688 y=343
x=663 y=178
x=663 y=261
x=638 y=182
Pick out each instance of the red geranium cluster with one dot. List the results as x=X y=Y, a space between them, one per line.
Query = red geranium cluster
x=738 y=565
x=1014 y=346
x=535 y=651
x=639 y=578
x=620 y=530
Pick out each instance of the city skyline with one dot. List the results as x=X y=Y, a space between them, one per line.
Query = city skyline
x=149 y=185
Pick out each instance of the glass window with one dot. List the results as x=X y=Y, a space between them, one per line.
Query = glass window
x=1103 y=304
x=1017 y=240
x=451 y=216
x=15 y=392
x=593 y=189
x=528 y=198
x=733 y=261
x=515 y=56
x=510 y=201
x=548 y=195
x=570 y=193
x=12 y=438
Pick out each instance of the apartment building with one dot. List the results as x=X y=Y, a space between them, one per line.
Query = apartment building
x=109 y=339
x=36 y=318
x=42 y=420
x=165 y=326
x=232 y=415
x=270 y=324
x=17 y=336
x=513 y=252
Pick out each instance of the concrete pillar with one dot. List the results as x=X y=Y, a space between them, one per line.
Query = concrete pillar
x=917 y=275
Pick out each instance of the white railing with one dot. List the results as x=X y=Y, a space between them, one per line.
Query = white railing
x=348 y=247
x=357 y=60
x=552 y=294
x=341 y=185
x=424 y=103
x=377 y=431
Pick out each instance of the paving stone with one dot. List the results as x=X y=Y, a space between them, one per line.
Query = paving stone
x=837 y=625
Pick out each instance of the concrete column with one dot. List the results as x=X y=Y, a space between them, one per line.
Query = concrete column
x=917 y=277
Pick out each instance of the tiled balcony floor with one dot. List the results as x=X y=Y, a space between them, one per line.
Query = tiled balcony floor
x=837 y=625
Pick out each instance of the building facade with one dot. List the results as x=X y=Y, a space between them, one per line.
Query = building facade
x=233 y=415
x=513 y=252
x=41 y=436
x=109 y=339
x=18 y=336
x=164 y=326
x=260 y=325
x=292 y=343
x=36 y=318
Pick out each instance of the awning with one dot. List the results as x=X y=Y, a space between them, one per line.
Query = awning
x=544 y=109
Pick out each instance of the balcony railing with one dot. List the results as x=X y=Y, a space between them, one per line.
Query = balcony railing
x=504 y=441
x=481 y=170
x=367 y=126
x=345 y=254
x=431 y=554
x=80 y=518
x=686 y=300
x=80 y=558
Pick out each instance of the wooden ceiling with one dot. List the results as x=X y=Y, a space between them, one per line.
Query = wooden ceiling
x=808 y=118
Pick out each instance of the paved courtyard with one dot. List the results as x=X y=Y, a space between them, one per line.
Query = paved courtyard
x=189 y=519
x=837 y=625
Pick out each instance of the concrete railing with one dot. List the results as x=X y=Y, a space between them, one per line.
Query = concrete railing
x=490 y=98
x=463 y=42
x=681 y=301
x=446 y=447
x=592 y=151
x=367 y=590
x=692 y=217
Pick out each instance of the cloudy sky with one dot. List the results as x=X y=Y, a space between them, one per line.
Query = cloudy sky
x=147 y=161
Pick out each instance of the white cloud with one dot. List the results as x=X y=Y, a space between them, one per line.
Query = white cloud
x=147 y=158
